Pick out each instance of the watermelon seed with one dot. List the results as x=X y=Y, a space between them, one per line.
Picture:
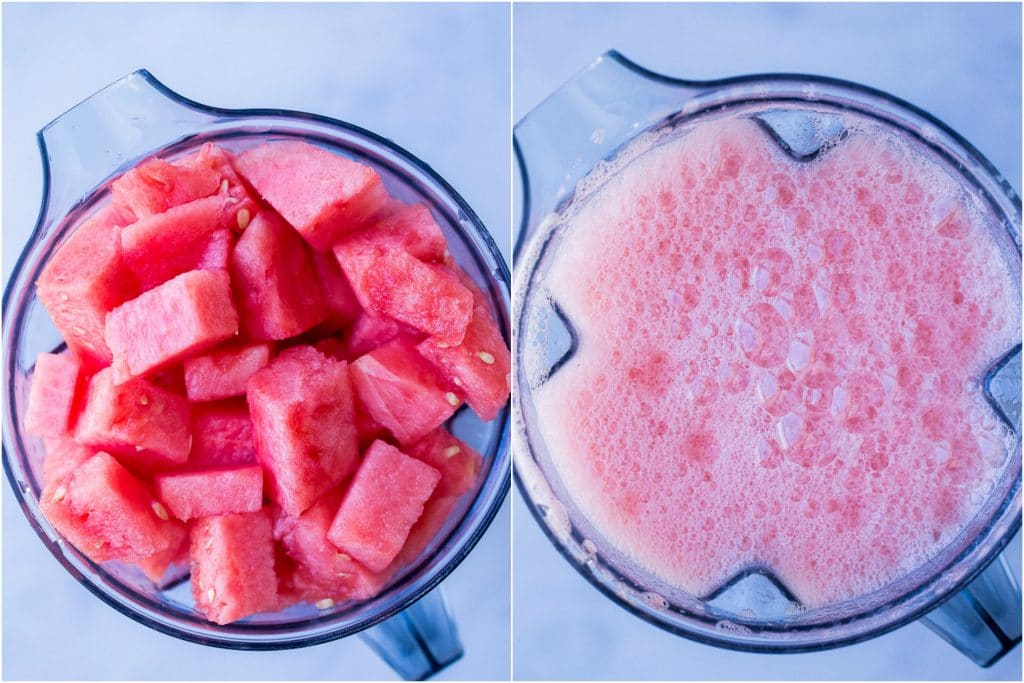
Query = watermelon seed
x=78 y=330
x=452 y=399
x=208 y=544
x=343 y=557
x=64 y=297
x=223 y=186
x=326 y=603
x=144 y=401
x=451 y=451
x=443 y=345
x=458 y=382
x=211 y=594
x=160 y=510
x=487 y=358
x=243 y=219
x=58 y=495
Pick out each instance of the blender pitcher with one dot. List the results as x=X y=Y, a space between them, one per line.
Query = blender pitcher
x=611 y=111
x=408 y=624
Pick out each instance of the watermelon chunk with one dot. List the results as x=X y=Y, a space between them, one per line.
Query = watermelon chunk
x=155 y=566
x=221 y=435
x=435 y=513
x=233 y=566
x=320 y=571
x=337 y=294
x=183 y=316
x=382 y=503
x=51 y=398
x=304 y=421
x=409 y=228
x=391 y=282
x=370 y=331
x=160 y=246
x=322 y=195
x=205 y=493
x=479 y=367
x=63 y=455
x=458 y=464
x=154 y=186
x=83 y=281
x=242 y=206
x=399 y=390
x=107 y=513
x=146 y=426
x=275 y=285
x=224 y=371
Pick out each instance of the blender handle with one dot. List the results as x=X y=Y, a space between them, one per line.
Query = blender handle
x=583 y=122
x=420 y=641
x=108 y=132
x=983 y=620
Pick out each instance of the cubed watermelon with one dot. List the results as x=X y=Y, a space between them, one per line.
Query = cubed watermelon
x=158 y=247
x=224 y=371
x=274 y=280
x=221 y=435
x=322 y=195
x=146 y=426
x=409 y=228
x=233 y=566
x=479 y=367
x=52 y=397
x=458 y=464
x=154 y=186
x=155 y=566
x=217 y=254
x=400 y=390
x=381 y=505
x=435 y=514
x=107 y=513
x=85 y=280
x=320 y=570
x=243 y=205
x=337 y=294
x=63 y=454
x=370 y=331
x=393 y=283
x=210 y=492
x=183 y=316
x=304 y=421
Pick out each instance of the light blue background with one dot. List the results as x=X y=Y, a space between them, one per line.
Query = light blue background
x=961 y=63
x=432 y=78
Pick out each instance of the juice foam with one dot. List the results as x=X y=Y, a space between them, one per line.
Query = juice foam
x=779 y=363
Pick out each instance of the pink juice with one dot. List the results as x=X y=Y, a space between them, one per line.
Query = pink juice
x=779 y=363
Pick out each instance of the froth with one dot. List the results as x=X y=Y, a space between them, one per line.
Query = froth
x=778 y=363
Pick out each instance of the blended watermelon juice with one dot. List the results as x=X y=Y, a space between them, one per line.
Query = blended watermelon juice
x=779 y=363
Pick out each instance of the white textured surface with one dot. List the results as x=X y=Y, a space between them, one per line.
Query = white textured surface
x=961 y=63
x=432 y=78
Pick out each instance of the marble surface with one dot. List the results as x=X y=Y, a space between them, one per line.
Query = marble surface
x=432 y=78
x=963 y=64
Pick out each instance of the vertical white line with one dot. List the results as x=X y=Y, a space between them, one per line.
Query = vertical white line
x=512 y=326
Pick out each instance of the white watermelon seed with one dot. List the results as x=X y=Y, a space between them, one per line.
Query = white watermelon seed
x=487 y=358
x=343 y=557
x=224 y=186
x=451 y=451
x=458 y=382
x=211 y=594
x=243 y=219
x=452 y=399
x=160 y=510
x=59 y=494
x=326 y=603
x=144 y=401
x=443 y=345
x=208 y=544
x=342 y=574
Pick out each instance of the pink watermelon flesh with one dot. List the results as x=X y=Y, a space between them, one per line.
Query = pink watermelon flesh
x=205 y=493
x=435 y=513
x=274 y=280
x=410 y=228
x=338 y=296
x=154 y=186
x=233 y=566
x=458 y=464
x=181 y=317
x=63 y=455
x=242 y=206
x=224 y=371
x=320 y=570
x=158 y=247
x=371 y=331
x=304 y=421
x=382 y=503
x=400 y=391
x=155 y=566
x=107 y=513
x=145 y=426
x=51 y=398
x=322 y=195
x=479 y=367
x=221 y=435
x=85 y=280
x=391 y=282
x=332 y=347
x=217 y=254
